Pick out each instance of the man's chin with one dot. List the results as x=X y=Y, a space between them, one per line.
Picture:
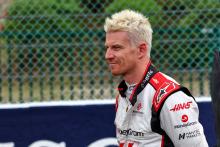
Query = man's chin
x=116 y=73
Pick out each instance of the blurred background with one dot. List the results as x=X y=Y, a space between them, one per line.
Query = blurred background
x=54 y=49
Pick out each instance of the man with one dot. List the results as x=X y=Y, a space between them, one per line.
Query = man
x=152 y=109
x=215 y=92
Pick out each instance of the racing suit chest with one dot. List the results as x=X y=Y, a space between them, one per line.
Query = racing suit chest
x=137 y=117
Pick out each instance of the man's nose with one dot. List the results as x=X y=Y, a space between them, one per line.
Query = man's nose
x=109 y=54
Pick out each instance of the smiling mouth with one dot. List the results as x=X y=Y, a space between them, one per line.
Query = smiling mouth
x=111 y=65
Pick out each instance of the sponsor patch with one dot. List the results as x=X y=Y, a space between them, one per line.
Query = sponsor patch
x=139 y=107
x=184 y=118
x=130 y=132
x=164 y=90
x=181 y=106
x=155 y=81
x=147 y=77
x=185 y=125
x=188 y=135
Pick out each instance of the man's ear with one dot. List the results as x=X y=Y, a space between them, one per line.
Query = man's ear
x=142 y=48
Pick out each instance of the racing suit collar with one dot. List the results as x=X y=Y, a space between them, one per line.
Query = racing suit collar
x=149 y=72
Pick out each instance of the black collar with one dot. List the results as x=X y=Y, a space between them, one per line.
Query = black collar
x=148 y=74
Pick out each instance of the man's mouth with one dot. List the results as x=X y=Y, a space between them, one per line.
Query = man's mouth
x=111 y=64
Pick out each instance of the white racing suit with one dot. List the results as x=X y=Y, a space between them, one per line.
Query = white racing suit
x=158 y=113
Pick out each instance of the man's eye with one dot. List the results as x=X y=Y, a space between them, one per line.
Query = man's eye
x=117 y=47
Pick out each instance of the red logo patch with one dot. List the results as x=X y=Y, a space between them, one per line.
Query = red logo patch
x=185 y=118
x=155 y=81
x=139 y=107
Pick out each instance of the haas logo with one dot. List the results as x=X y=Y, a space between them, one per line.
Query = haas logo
x=182 y=106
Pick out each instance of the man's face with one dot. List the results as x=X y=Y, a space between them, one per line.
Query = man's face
x=120 y=54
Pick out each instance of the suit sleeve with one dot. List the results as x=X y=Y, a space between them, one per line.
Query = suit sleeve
x=180 y=120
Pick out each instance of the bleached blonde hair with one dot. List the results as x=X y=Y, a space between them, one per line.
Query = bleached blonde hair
x=135 y=23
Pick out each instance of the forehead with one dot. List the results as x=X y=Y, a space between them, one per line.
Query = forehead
x=117 y=37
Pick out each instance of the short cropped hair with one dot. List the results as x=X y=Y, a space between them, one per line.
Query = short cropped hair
x=135 y=23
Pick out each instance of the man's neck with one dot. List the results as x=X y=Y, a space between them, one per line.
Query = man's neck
x=136 y=76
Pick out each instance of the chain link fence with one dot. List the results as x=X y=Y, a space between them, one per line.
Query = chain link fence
x=54 y=49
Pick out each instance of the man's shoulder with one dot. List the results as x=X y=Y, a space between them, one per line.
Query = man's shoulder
x=164 y=86
x=160 y=78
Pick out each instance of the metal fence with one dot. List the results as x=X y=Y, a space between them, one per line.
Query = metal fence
x=54 y=49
